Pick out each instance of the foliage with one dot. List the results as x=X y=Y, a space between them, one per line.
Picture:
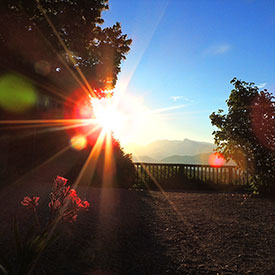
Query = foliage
x=64 y=207
x=247 y=133
x=62 y=40
x=58 y=47
x=125 y=175
x=122 y=166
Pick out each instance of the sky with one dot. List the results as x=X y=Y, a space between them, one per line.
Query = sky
x=183 y=56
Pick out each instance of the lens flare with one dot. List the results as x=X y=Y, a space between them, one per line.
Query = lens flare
x=78 y=142
x=262 y=121
x=17 y=94
x=78 y=106
x=42 y=67
x=216 y=160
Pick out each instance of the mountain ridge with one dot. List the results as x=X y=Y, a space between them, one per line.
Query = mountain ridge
x=161 y=149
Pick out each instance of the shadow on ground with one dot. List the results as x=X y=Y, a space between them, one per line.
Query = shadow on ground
x=114 y=237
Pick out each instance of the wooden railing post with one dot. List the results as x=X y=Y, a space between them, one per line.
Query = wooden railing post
x=164 y=171
x=230 y=170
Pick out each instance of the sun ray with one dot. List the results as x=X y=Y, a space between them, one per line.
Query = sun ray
x=47 y=125
x=89 y=91
x=52 y=128
x=29 y=126
x=31 y=172
x=52 y=90
x=163 y=192
x=58 y=125
x=140 y=175
x=107 y=191
x=91 y=161
x=47 y=161
x=172 y=205
x=64 y=62
x=40 y=121
x=179 y=215
x=123 y=87
x=165 y=109
x=56 y=155
x=109 y=170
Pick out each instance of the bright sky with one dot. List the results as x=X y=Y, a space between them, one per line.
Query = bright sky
x=183 y=56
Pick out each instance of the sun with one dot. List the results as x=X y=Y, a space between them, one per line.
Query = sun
x=108 y=116
x=124 y=115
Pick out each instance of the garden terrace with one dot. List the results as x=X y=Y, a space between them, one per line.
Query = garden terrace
x=134 y=232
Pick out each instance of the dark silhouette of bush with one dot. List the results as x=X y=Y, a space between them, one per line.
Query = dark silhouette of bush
x=38 y=27
x=49 y=49
x=246 y=133
x=122 y=174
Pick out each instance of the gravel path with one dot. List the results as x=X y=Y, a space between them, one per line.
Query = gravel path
x=134 y=232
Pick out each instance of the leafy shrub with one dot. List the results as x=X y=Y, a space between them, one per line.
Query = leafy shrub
x=246 y=133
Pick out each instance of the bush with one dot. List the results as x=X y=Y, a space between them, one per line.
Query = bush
x=246 y=133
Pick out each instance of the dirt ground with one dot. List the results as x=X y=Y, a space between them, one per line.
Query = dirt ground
x=140 y=232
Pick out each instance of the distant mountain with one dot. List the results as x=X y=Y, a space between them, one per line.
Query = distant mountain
x=162 y=149
x=144 y=159
x=196 y=159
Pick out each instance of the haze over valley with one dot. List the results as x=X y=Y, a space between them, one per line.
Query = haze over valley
x=172 y=151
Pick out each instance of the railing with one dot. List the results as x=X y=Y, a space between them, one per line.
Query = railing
x=146 y=172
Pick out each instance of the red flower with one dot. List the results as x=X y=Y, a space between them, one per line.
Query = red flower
x=59 y=182
x=30 y=203
x=59 y=193
x=65 y=191
x=73 y=205
x=65 y=200
x=72 y=193
x=54 y=204
x=85 y=205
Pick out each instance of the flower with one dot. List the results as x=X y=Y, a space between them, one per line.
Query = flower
x=59 y=182
x=65 y=191
x=85 y=206
x=73 y=204
x=54 y=204
x=30 y=203
x=59 y=193
x=64 y=200
x=72 y=193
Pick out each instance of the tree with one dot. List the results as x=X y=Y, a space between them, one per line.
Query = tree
x=247 y=133
x=62 y=40
x=124 y=173
x=61 y=49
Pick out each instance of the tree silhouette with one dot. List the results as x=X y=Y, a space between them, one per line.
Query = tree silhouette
x=247 y=133
x=123 y=173
x=61 y=48
x=62 y=40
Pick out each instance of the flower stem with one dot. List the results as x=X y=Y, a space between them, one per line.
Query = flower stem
x=36 y=219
